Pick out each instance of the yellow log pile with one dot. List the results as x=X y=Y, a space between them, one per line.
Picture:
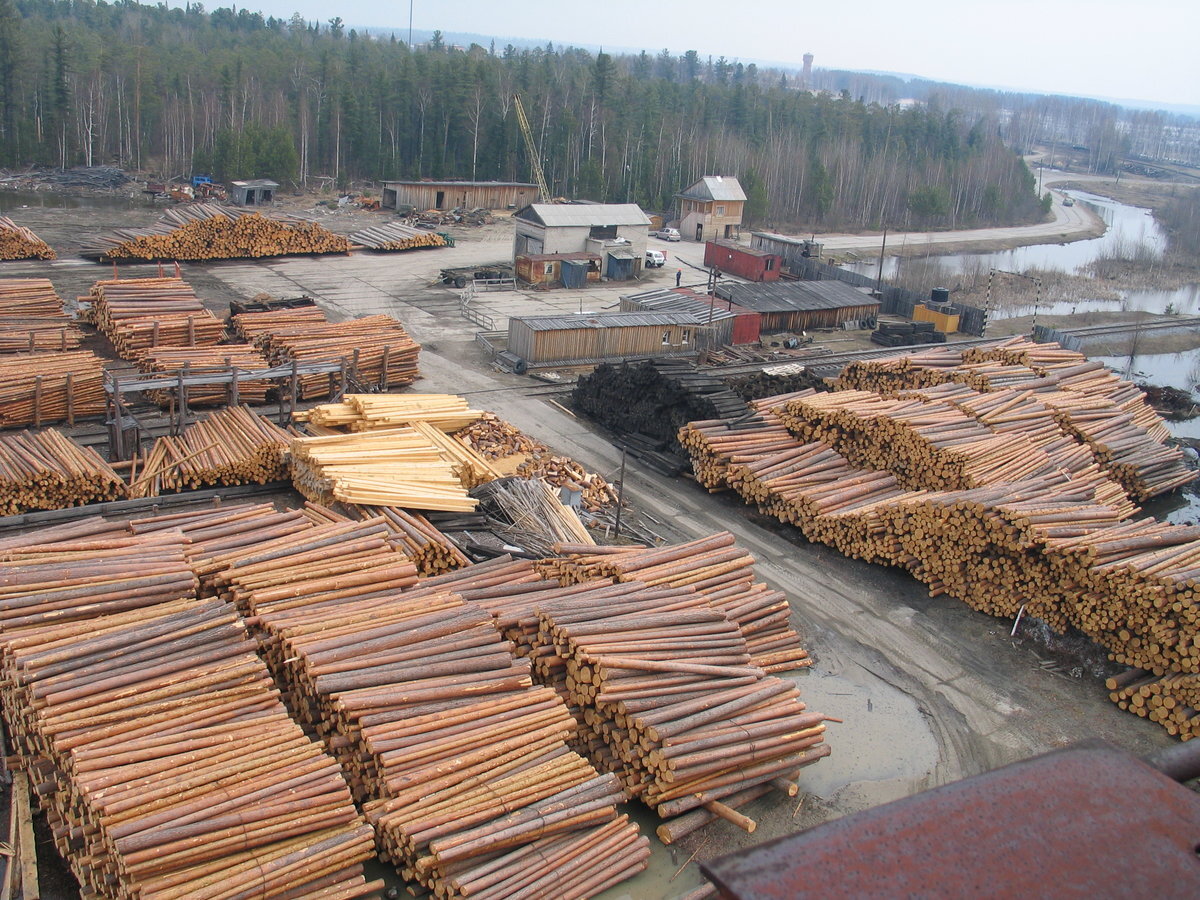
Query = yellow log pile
x=46 y=470
x=38 y=388
x=32 y=318
x=207 y=361
x=253 y=325
x=1173 y=701
x=18 y=242
x=231 y=446
x=168 y=766
x=377 y=351
x=367 y=412
x=210 y=231
x=394 y=236
x=142 y=313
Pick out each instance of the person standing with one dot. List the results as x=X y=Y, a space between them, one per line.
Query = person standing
x=678 y=276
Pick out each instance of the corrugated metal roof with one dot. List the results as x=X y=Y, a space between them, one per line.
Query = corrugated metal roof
x=781 y=238
x=742 y=248
x=799 y=296
x=584 y=215
x=715 y=187
x=620 y=254
x=463 y=184
x=256 y=182
x=576 y=256
x=577 y=321
x=663 y=300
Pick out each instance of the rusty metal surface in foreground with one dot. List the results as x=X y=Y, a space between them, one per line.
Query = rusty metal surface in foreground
x=1090 y=821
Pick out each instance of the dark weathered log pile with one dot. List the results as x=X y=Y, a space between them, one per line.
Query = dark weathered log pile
x=654 y=397
x=39 y=388
x=376 y=350
x=32 y=318
x=412 y=534
x=18 y=242
x=166 y=763
x=46 y=470
x=140 y=313
x=230 y=446
x=203 y=231
x=208 y=361
x=396 y=236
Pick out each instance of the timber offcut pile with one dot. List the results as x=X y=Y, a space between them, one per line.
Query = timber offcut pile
x=46 y=470
x=204 y=231
x=137 y=314
x=176 y=361
x=394 y=236
x=167 y=765
x=377 y=351
x=18 y=242
x=38 y=388
x=32 y=317
x=231 y=446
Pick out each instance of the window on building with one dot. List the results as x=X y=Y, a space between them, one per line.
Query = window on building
x=549 y=270
x=687 y=335
x=603 y=232
x=666 y=338
x=720 y=210
x=770 y=263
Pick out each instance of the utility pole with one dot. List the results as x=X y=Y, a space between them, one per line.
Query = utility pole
x=879 y=281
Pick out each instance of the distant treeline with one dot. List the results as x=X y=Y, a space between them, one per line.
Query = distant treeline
x=183 y=90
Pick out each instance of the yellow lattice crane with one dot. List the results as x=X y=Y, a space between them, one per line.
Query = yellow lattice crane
x=535 y=158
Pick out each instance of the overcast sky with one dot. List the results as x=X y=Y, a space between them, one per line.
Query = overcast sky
x=1135 y=49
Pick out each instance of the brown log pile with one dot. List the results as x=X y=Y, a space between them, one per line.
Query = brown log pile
x=46 y=470
x=32 y=318
x=411 y=533
x=18 y=242
x=230 y=446
x=166 y=763
x=207 y=361
x=395 y=236
x=203 y=231
x=493 y=438
x=377 y=351
x=39 y=388
x=1173 y=701
x=137 y=314
x=252 y=325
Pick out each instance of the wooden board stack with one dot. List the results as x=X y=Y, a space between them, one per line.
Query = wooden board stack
x=46 y=470
x=395 y=236
x=206 y=361
x=167 y=765
x=38 y=388
x=231 y=446
x=18 y=242
x=376 y=350
x=368 y=412
x=32 y=318
x=203 y=231
x=137 y=314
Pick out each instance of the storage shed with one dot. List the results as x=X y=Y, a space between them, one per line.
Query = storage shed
x=616 y=232
x=458 y=194
x=799 y=305
x=259 y=192
x=790 y=249
x=586 y=338
x=744 y=262
x=730 y=323
x=568 y=269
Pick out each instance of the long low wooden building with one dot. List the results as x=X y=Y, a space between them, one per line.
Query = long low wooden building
x=584 y=338
x=795 y=306
x=730 y=323
x=458 y=194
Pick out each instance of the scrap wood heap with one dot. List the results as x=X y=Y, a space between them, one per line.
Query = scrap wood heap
x=47 y=470
x=18 y=242
x=460 y=762
x=207 y=361
x=168 y=766
x=369 y=412
x=668 y=685
x=563 y=472
x=230 y=446
x=202 y=231
x=529 y=512
x=140 y=313
x=493 y=438
x=376 y=350
x=32 y=317
x=408 y=467
x=394 y=236
x=37 y=388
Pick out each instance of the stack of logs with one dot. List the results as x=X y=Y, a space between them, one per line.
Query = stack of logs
x=141 y=313
x=46 y=470
x=1173 y=701
x=32 y=317
x=206 y=361
x=18 y=242
x=377 y=351
x=395 y=236
x=368 y=412
x=251 y=326
x=165 y=762
x=204 y=231
x=38 y=388
x=231 y=446
x=411 y=533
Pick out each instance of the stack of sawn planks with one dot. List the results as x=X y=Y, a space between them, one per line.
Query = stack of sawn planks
x=32 y=318
x=18 y=242
x=205 y=231
x=142 y=313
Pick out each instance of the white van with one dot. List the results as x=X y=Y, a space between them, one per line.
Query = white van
x=655 y=259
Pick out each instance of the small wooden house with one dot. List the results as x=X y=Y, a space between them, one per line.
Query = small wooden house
x=445 y=195
x=711 y=208
x=567 y=269
x=795 y=306
x=259 y=192
x=744 y=262
x=587 y=338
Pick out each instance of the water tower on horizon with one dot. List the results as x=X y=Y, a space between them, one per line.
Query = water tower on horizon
x=808 y=58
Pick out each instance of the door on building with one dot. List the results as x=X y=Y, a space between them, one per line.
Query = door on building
x=728 y=231
x=440 y=200
x=620 y=266
x=699 y=233
x=574 y=273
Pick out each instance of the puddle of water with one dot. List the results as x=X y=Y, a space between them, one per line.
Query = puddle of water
x=17 y=200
